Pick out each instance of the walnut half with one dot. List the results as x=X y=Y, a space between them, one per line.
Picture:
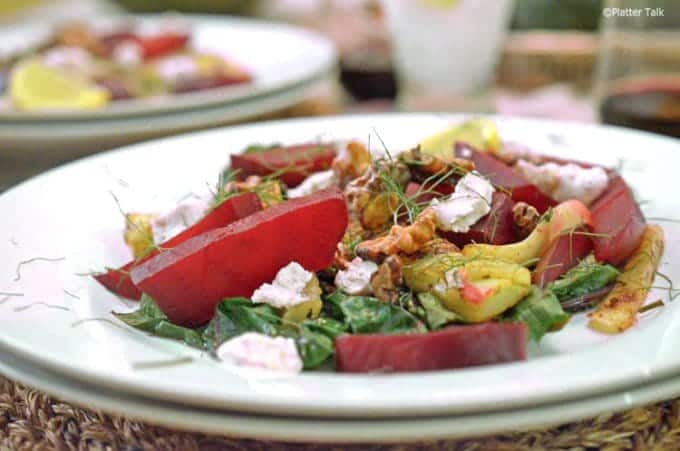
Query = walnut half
x=525 y=218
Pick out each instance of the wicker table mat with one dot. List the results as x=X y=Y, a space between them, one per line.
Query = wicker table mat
x=30 y=420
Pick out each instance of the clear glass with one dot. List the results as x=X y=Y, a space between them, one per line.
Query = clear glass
x=638 y=73
x=445 y=51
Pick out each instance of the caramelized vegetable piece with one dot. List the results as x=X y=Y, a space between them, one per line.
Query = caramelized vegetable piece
x=479 y=133
x=292 y=163
x=618 y=222
x=237 y=207
x=453 y=347
x=495 y=228
x=478 y=290
x=617 y=312
x=565 y=253
x=505 y=177
x=138 y=234
x=566 y=216
x=190 y=279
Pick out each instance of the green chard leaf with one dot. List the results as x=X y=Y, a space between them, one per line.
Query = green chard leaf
x=365 y=315
x=235 y=316
x=313 y=337
x=436 y=314
x=540 y=310
x=314 y=347
x=584 y=278
x=149 y=318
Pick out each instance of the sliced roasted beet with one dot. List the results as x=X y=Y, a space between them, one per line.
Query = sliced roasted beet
x=453 y=347
x=563 y=254
x=188 y=281
x=294 y=163
x=495 y=228
x=618 y=223
x=118 y=280
x=505 y=177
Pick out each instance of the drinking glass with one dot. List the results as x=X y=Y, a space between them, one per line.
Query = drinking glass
x=638 y=72
x=445 y=51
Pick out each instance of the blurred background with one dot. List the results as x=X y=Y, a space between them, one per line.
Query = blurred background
x=562 y=59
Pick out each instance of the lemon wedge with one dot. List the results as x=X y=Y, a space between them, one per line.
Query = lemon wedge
x=440 y=3
x=480 y=133
x=34 y=86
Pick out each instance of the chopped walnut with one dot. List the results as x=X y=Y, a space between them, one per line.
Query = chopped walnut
x=401 y=239
x=360 y=191
x=386 y=281
x=352 y=163
x=438 y=246
x=525 y=218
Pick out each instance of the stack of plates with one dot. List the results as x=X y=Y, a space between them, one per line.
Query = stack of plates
x=286 y=63
x=60 y=336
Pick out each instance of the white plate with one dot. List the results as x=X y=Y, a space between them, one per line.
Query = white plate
x=288 y=63
x=327 y=430
x=69 y=212
x=278 y=56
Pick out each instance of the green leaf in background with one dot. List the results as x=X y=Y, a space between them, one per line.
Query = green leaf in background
x=584 y=278
x=436 y=314
x=255 y=148
x=149 y=318
x=541 y=311
x=365 y=315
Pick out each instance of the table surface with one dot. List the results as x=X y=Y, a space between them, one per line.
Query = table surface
x=32 y=420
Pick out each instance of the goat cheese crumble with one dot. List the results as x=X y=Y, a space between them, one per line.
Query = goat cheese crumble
x=313 y=183
x=566 y=181
x=470 y=201
x=287 y=289
x=356 y=279
x=185 y=214
x=255 y=350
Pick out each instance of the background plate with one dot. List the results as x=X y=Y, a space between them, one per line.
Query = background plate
x=70 y=217
x=278 y=56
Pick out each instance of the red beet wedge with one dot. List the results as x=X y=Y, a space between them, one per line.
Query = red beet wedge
x=294 y=163
x=618 y=223
x=494 y=228
x=563 y=254
x=453 y=347
x=189 y=280
x=118 y=280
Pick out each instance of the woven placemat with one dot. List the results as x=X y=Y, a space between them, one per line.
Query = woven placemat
x=31 y=420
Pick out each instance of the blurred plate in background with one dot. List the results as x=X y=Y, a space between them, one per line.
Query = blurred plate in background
x=286 y=63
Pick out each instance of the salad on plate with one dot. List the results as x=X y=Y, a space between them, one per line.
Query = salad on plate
x=82 y=66
x=454 y=253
